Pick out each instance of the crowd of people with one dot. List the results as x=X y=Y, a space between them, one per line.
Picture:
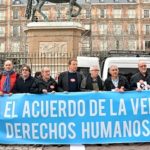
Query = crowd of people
x=70 y=80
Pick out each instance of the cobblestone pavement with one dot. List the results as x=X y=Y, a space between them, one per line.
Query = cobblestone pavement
x=142 y=146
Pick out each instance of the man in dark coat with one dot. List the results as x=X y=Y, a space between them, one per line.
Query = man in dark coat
x=116 y=82
x=24 y=81
x=92 y=81
x=141 y=80
x=70 y=80
x=44 y=84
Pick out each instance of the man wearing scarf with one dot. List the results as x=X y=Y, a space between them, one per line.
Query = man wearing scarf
x=8 y=78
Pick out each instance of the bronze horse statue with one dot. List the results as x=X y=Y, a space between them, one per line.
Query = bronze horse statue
x=30 y=11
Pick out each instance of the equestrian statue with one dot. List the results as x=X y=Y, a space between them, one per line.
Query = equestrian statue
x=31 y=10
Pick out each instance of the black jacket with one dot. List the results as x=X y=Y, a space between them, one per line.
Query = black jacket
x=137 y=77
x=40 y=84
x=63 y=81
x=108 y=84
x=86 y=84
x=23 y=86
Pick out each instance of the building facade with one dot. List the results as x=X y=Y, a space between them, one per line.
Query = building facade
x=110 y=24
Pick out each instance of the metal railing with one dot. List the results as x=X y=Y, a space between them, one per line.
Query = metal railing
x=57 y=62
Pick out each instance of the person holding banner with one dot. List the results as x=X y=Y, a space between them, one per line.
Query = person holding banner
x=93 y=81
x=25 y=81
x=141 y=80
x=44 y=84
x=8 y=78
x=70 y=80
x=116 y=82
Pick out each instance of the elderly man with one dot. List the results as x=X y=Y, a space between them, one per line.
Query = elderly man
x=115 y=82
x=92 y=81
x=141 y=80
x=44 y=84
x=70 y=80
x=8 y=78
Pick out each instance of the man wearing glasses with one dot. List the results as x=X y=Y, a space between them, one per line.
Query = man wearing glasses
x=24 y=81
x=141 y=80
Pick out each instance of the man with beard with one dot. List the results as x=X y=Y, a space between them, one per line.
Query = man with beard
x=141 y=80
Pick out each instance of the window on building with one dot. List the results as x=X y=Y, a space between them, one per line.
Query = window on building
x=102 y=13
x=131 y=29
x=116 y=1
x=2 y=31
x=117 y=44
x=2 y=46
x=2 y=15
x=147 y=29
x=146 y=13
x=147 y=45
x=132 y=13
x=16 y=31
x=88 y=13
x=103 y=45
x=132 y=45
x=15 y=47
x=15 y=14
x=2 y=1
x=103 y=28
x=117 y=13
x=117 y=29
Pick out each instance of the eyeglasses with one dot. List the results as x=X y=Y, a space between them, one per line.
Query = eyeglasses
x=142 y=66
x=114 y=70
x=25 y=70
x=94 y=70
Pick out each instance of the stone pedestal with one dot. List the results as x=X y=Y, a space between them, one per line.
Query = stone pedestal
x=48 y=37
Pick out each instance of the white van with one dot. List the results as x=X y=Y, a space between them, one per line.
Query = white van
x=127 y=65
x=84 y=64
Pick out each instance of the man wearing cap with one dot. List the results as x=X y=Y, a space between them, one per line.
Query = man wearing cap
x=93 y=81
